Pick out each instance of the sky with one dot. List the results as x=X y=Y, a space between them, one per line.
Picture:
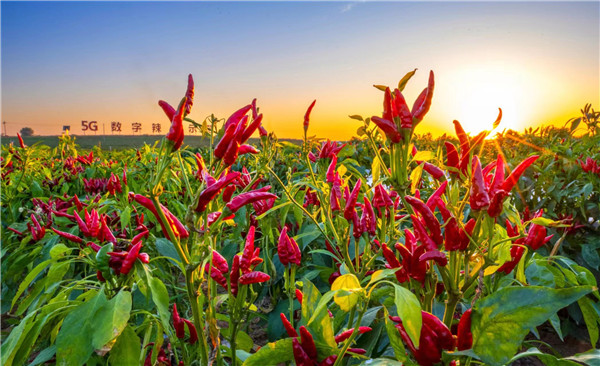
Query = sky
x=67 y=62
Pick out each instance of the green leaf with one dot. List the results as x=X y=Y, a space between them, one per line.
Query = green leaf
x=74 y=340
x=547 y=359
x=126 y=349
x=44 y=356
x=272 y=354
x=11 y=344
x=110 y=321
x=394 y=336
x=382 y=362
x=319 y=320
x=160 y=296
x=30 y=277
x=409 y=311
x=591 y=357
x=501 y=321
x=58 y=250
x=376 y=170
x=591 y=318
x=423 y=156
x=167 y=249
x=356 y=117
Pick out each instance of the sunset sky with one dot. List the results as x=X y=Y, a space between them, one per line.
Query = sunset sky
x=64 y=62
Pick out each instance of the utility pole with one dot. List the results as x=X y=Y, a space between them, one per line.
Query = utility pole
x=4 y=124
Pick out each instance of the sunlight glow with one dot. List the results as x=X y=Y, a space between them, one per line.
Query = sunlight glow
x=483 y=92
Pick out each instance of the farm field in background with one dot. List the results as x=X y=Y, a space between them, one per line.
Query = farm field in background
x=392 y=248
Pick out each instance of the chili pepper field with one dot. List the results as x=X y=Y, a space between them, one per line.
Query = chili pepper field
x=392 y=248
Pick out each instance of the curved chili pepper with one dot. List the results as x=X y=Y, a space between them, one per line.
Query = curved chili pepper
x=254 y=277
x=249 y=197
x=329 y=361
x=247 y=149
x=192 y=329
x=401 y=109
x=498 y=177
x=422 y=235
x=211 y=191
x=432 y=201
x=479 y=198
x=435 y=255
x=346 y=334
x=358 y=351
x=21 y=143
x=331 y=170
x=452 y=159
x=288 y=326
x=248 y=253
x=430 y=220
x=368 y=220
x=282 y=247
x=219 y=262
x=423 y=101
x=299 y=296
x=234 y=275
x=175 y=134
x=235 y=118
x=464 y=336
x=225 y=141
x=389 y=256
x=130 y=259
x=251 y=128
x=465 y=146
x=307 y=115
x=294 y=254
x=144 y=258
x=512 y=179
x=65 y=235
x=308 y=343
x=388 y=128
x=468 y=230
x=95 y=247
x=349 y=210
x=232 y=153
x=497 y=203
x=178 y=323
x=300 y=355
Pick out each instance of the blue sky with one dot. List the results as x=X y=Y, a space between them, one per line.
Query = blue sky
x=63 y=62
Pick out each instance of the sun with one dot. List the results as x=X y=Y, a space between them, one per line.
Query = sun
x=480 y=95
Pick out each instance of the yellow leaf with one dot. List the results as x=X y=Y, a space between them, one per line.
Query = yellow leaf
x=349 y=291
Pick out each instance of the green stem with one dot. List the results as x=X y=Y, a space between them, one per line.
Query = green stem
x=354 y=334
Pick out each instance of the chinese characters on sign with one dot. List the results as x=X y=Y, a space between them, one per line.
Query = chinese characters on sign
x=192 y=128
x=115 y=126
x=136 y=127
x=156 y=128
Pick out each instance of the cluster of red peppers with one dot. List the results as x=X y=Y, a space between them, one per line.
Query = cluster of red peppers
x=589 y=165
x=175 y=135
x=397 y=118
x=242 y=268
x=237 y=130
x=179 y=324
x=436 y=337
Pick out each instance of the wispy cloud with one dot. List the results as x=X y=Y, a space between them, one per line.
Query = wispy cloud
x=349 y=6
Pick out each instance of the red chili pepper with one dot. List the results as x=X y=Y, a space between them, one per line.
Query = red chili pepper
x=189 y=95
x=21 y=143
x=247 y=149
x=479 y=198
x=307 y=115
x=234 y=275
x=136 y=239
x=465 y=146
x=464 y=335
x=329 y=361
x=498 y=177
x=432 y=201
x=299 y=296
x=349 y=210
x=282 y=247
x=175 y=134
x=422 y=235
x=178 y=323
x=402 y=111
x=105 y=233
x=389 y=256
x=331 y=173
x=368 y=220
x=358 y=351
x=512 y=179
x=249 y=197
x=452 y=159
x=430 y=220
x=95 y=247
x=100 y=277
x=176 y=225
x=232 y=153
x=288 y=326
x=144 y=258
x=388 y=127
x=435 y=255
x=254 y=277
x=248 y=253
x=129 y=261
x=192 y=329
x=346 y=334
x=300 y=355
x=423 y=101
x=219 y=262
x=65 y=235
x=251 y=128
x=216 y=275
x=228 y=192
x=308 y=343
x=225 y=141
x=211 y=191
x=235 y=118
